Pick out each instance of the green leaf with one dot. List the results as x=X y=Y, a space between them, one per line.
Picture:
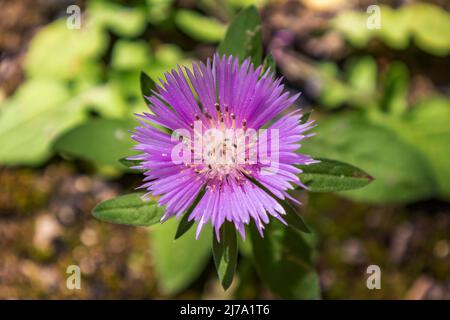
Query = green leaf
x=402 y=174
x=362 y=75
x=356 y=86
x=430 y=132
x=199 y=27
x=130 y=55
x=426 y=23
x=427 y=128
x=121 y=20
x=305 y=117
x=147 y=85
x=101 y=141
x=332 y=175
x=395 y=27
x=243 y=38
x=245 y=248
x=353 y=25
x=283 y=260
x=129 y=163
x=334 y=92
x=225 y=254
x=269 y=64
x=178 y=262
x=103 y=99
x=430 y=25
x=57 y=52
x=293 y=219
x=158 y=10
x=129 y=209
x=30 y=120
x=396 y=83
x=185 y=224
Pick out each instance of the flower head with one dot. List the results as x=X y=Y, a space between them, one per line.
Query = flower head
x=222 y=137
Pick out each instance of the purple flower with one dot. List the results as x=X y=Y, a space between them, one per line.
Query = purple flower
x=223 y=98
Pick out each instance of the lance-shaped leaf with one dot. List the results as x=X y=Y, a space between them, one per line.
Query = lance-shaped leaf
x=147 y=85
x=293 y=219
x=129 y=163
x=269 y=64
x=225 y=254
x=305 y=117
x=185 y=224
x=331 y=175
x=129 y=209
x=243 y=38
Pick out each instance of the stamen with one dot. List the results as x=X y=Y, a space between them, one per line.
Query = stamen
x=233 y=120
x=209 y=117
x=218 y=110
x=227 y=115
x=224 y=149
x=226 y=167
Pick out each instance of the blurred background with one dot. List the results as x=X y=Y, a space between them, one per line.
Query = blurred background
x=377 y=79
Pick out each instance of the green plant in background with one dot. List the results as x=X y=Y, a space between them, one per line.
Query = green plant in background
x=71 y=74
x=200 y=27
x=425 y=23
x=382 y=131
x=283 y=258
x=367 y=137
x=68 y=79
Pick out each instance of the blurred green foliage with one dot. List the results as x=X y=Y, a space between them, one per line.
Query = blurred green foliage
x=71 y=73
x=403 y=145
x=427 y=24
x=69 y=76
x=284 y=261
x=101 y=141
x=371 y=121
x=400 y=171
x=200 y=27
x=38 y=112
